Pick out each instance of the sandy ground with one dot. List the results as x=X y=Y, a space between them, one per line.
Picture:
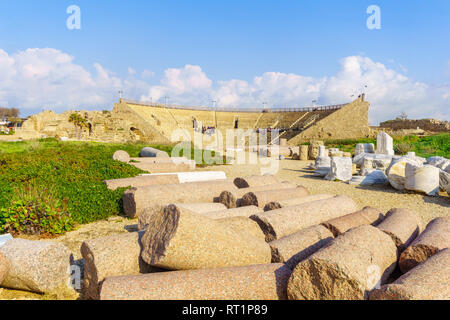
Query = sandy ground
x=381 y=197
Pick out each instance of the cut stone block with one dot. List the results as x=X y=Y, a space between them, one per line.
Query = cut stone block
x=341 y=169
x=436 y=237
x=111 y=256
x=430 y=280
x=232 y=199
x=295 y=201
x=37 y=266
x=256 y=282
x=323 y=166
x=288 y=220
x=366 y=216
x=422 y=179
x=261 y=198
x=364 y=148
x=346 y=269
x=121 y=156
x=255 y=181
x=135 y=200
x=385 y=144
x=313 y=149
x=298 y=246
x=444 y=181
x=152 y=152
x=396 y=172
x=403 y=225
x=303 y=155
x=177 y=240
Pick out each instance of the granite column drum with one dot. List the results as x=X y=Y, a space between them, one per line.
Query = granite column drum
x=295 y=201
x=178 y=240
x=261 y=198
x=255 y=181
x=348 y=268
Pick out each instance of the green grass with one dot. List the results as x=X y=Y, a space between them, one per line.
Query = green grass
x=72 y=171
x=436 y=145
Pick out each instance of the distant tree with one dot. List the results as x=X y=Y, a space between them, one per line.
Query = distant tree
x=5 y=113
x=79 y=122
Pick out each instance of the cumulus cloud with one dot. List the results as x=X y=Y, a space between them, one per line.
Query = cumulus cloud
x=48 y=78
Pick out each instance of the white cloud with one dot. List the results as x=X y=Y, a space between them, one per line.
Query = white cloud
x=48 y=78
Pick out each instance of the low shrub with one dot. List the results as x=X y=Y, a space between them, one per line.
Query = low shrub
x=402 y=148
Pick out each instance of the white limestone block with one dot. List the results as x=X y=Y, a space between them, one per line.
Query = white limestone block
x=385 y=144
x=341 y=169
x=422 y=179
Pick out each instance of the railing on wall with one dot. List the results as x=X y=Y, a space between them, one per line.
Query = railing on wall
x=249 y=110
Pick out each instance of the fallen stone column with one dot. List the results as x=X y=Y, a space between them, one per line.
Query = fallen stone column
x=140 y=181
x=255 y=181
x=261 y=198
x=135 y=200
x=111 y=256
x=152 y=152
x=435 y=238
x=346 y=269
x=368 y=215
x=234 y=212
x=197 y=208
x=4 y=267
x=295 y=201
x=232 y=199
x=245 y=225
x=37 y=266
x=288 y=220
x=255 y=282
x=430 y=280
x=402 y=225
x=162 y=160
x=162 y=167
x=298 y=246
x=177 y=240
x=194 y=176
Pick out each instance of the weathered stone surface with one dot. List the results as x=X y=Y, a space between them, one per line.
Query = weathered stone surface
x=364 y=148
x=323 y=166
x=233 y=198
x=430 y=280
x=111 y=256
x=245 y=225
x=246 y=211
x=422 y=179
x=4 y=238
x=385 y=144
x=193 y=176
x=135 y=200
x=396 y=172
x=295 y=201
x=403 y=225
x=162 y=167
x=383 y=158
x=444 y=181
x=140 y=181
x=261 y=198
x=288 y=220
x=366 y=216
x=255 y=181
x=121 y=156
x=256 y=282
x=371 y=164
x=4 y=267
x=37 y=266
x=152 y=152
x=197 y=208
x=341 y=169
x=303 y=155
x=178 y=240
x=348 y=268
x=435 y=238
x=298 y=246
x=375 y=177
x=313 y=149
x=439 y=162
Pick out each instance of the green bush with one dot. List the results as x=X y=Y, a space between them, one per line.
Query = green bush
x=36 y=212
x=402 y=148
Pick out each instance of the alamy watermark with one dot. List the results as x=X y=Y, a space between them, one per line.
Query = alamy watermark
x=73 y=22
x=374 y=20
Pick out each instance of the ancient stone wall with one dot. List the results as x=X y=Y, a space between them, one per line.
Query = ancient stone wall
x=432 y=125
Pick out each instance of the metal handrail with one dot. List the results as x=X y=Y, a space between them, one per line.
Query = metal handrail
x=242 y=110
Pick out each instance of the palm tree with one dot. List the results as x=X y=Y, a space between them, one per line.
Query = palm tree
x=79 y=122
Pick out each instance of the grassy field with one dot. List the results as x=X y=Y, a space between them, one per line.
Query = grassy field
x=51 y=186
x=437 y=145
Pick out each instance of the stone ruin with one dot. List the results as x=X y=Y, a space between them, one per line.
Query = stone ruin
x=275 y=242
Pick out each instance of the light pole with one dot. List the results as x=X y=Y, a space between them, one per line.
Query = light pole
x=166 y=100
x=215 y=112
x=120 y=95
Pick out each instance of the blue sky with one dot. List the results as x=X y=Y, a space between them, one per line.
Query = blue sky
x=234 y=40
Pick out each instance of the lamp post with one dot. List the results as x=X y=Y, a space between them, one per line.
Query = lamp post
x=120 y=96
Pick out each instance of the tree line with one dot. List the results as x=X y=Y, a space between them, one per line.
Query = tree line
x=6 y=113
